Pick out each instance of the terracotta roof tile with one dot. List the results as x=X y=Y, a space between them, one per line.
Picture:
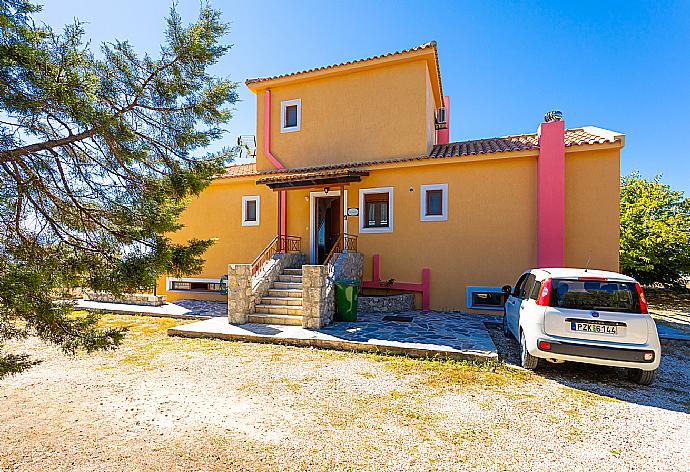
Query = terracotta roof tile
x=522 y=142
x=429 y=45
x=238 y=170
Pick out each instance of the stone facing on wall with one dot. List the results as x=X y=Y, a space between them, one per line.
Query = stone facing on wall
x=127 y=298
x=318 y=303
x=349 y=266
x=239 y=293
x=386 y=304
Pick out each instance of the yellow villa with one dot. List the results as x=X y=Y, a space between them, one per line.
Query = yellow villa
x=355 y=177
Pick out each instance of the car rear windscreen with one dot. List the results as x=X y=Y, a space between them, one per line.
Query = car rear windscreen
x=601 y=295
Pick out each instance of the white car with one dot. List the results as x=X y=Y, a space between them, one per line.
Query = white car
x=583 y=315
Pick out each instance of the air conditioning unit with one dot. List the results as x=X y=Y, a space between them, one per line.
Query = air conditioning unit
x=441 y=120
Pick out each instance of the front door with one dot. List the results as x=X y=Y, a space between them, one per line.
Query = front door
x=326 y=226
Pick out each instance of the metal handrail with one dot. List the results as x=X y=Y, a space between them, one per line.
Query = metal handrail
x=350 y=246
x=279 y=244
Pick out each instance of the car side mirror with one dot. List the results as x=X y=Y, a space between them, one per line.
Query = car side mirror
x=506 y=289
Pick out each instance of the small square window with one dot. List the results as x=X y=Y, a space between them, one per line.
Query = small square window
x=433 y=202
x=290 y=115
x=250 y=210
x=376 y=210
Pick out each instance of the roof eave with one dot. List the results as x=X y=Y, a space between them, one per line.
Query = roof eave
x=357 y=66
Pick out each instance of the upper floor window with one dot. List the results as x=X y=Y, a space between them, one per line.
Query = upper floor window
x=250 y=210
x=290 y=115
x=433 y=202
x=376 y=210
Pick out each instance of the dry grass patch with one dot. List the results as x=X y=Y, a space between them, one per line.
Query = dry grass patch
x=440 y=373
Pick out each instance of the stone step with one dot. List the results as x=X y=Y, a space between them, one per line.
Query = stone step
x=290 y=278
x=267 y=318
x=288 y=285
x=285 y=292
x=279 y=309
x=292 y=271
x=294 y=301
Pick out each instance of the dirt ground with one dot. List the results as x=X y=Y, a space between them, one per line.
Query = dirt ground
x=161 y=403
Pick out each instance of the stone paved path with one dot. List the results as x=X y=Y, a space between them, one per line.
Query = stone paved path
x=430 y=333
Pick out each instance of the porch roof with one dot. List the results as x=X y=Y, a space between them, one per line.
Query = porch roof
x=288 y=180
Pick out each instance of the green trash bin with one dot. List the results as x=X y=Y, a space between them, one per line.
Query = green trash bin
x=346 y=292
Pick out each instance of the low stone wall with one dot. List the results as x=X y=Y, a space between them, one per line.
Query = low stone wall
x=127 y=298
x=318 y=296
x=386 y=304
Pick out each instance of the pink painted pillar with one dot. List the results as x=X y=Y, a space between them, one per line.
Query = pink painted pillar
x=282 y=227
x=551 y=195
x=375 y=276
x=443 y=135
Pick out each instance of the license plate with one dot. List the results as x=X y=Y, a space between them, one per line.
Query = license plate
x=596 y=328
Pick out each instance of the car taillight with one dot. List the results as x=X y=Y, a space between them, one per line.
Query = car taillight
x=544 y=345
x=600 y=279
x=649 y=356
x=544 y=293
x=643 y=301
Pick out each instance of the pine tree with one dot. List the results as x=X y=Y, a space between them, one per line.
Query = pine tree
x=99 y=155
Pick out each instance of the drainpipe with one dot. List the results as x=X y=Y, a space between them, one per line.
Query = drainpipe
x=282 y=227
x=551 y=192
x=443 y=135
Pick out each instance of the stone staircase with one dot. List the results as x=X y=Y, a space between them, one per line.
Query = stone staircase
x=283 y=304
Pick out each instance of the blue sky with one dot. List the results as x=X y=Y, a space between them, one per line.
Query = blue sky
x=624 y=66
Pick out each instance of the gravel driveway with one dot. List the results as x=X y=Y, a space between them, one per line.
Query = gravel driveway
x=161 y=403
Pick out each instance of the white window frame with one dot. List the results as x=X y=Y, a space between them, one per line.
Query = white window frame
x=283 y=105
x=250 y=198
x=170 y=280
x=362 y=212
x=423 y=189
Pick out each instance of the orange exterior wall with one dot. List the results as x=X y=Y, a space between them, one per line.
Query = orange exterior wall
x=371 y=114
x=488 y=239
x=217 y=213
x=592 y=202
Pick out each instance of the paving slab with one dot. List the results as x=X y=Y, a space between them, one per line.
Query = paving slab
x=181 y=309
x=429 y=334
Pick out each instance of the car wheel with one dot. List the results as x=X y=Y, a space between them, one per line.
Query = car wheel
x=642 y=377
x=527 y=360
x=506 y=330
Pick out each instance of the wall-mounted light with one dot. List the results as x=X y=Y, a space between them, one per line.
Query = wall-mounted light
x=325 y=190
